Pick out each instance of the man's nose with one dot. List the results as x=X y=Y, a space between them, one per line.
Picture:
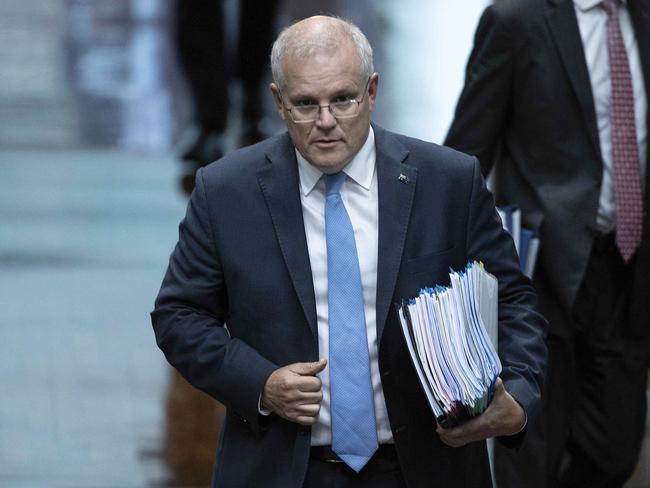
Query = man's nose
x=325 y=118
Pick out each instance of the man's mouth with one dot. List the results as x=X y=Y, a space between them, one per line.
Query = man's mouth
x=326 y=143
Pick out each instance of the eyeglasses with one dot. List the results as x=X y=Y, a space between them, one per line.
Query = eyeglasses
x=347 y=108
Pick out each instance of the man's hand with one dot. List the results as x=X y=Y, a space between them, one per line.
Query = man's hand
x=504 y=416
x=294 y=392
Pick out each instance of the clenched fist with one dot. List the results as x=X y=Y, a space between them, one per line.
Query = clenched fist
x=294 y=392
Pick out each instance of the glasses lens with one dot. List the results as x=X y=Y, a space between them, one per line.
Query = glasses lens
x=305 y=114
x=349 y=108
x=310 y=113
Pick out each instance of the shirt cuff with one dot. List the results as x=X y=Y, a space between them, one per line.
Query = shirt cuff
x=266 y=413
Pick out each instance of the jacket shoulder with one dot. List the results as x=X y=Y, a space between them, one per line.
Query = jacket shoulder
x=514 y=18
x=516 y=11
x=242 y=164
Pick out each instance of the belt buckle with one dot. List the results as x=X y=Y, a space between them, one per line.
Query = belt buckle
x=327 y=455
x=332 y=460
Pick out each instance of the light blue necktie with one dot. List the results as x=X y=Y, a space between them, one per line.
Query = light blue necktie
x=354 y=433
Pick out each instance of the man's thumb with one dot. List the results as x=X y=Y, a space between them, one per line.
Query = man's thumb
x=309 y=369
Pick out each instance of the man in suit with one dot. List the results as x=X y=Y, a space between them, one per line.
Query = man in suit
x=297 y=249
x=555 y=106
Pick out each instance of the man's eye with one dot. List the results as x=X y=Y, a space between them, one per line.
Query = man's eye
x=343 y=99
x=306 y=103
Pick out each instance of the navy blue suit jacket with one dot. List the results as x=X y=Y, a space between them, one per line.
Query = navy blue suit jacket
x=242 y=260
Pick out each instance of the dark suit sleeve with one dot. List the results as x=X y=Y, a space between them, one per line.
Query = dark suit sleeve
x=522 y=329
x=190 y=314
x=483 y=106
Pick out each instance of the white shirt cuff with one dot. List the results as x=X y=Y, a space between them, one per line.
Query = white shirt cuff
x=264 y=411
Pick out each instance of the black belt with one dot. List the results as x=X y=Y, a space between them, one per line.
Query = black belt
x=325 y=453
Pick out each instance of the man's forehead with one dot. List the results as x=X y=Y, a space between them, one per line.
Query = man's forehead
x=299 y=89
x=339 y=67
x=306 y=81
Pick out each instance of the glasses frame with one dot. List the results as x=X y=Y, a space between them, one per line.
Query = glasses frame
x=328 y=106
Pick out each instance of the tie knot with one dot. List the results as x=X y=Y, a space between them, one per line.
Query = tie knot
x=333 y=182
x=610 y=7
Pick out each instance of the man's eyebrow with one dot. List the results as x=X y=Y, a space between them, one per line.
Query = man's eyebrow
x=300 y=97
x=346 y=91
x=341 y=91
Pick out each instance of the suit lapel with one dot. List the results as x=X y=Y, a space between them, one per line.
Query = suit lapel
x=396 y=188
x=561 y=19
x=279 y=183
x=640 y=14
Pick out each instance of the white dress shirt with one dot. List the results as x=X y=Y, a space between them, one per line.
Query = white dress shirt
x=359 y=194
x=592 y=22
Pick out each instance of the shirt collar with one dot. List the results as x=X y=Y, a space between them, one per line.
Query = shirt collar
x=360 y=168
x=585 y=5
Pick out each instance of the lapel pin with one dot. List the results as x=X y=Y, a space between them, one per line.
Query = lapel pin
x=402 y=178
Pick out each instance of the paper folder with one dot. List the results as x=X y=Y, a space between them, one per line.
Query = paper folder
x=451 y=336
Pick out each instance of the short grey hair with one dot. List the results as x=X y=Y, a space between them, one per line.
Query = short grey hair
x=292 y=41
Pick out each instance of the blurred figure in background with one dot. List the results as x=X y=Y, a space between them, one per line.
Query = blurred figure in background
x=203 y=51
x=555 y=105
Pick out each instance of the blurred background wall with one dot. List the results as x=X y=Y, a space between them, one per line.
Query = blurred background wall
x=94 y=112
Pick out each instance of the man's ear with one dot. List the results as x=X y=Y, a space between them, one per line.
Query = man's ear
x=275 y=92
x=372 y=90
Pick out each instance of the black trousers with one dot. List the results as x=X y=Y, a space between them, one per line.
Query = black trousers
x=202 y=53
x=382 y=471
x=594 y=407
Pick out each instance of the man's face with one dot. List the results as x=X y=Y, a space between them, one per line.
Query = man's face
x=327 y=143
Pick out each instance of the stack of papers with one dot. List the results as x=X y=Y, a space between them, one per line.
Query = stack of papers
x=451 y=334
x=526 y=240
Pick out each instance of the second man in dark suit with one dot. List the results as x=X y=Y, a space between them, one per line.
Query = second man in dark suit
x=555 y=108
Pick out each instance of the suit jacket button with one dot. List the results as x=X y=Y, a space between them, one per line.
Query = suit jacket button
x=303 y=430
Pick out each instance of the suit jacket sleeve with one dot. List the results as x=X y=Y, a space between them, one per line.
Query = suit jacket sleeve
x=483 y=106
x=190 y=315
x=522 y=347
